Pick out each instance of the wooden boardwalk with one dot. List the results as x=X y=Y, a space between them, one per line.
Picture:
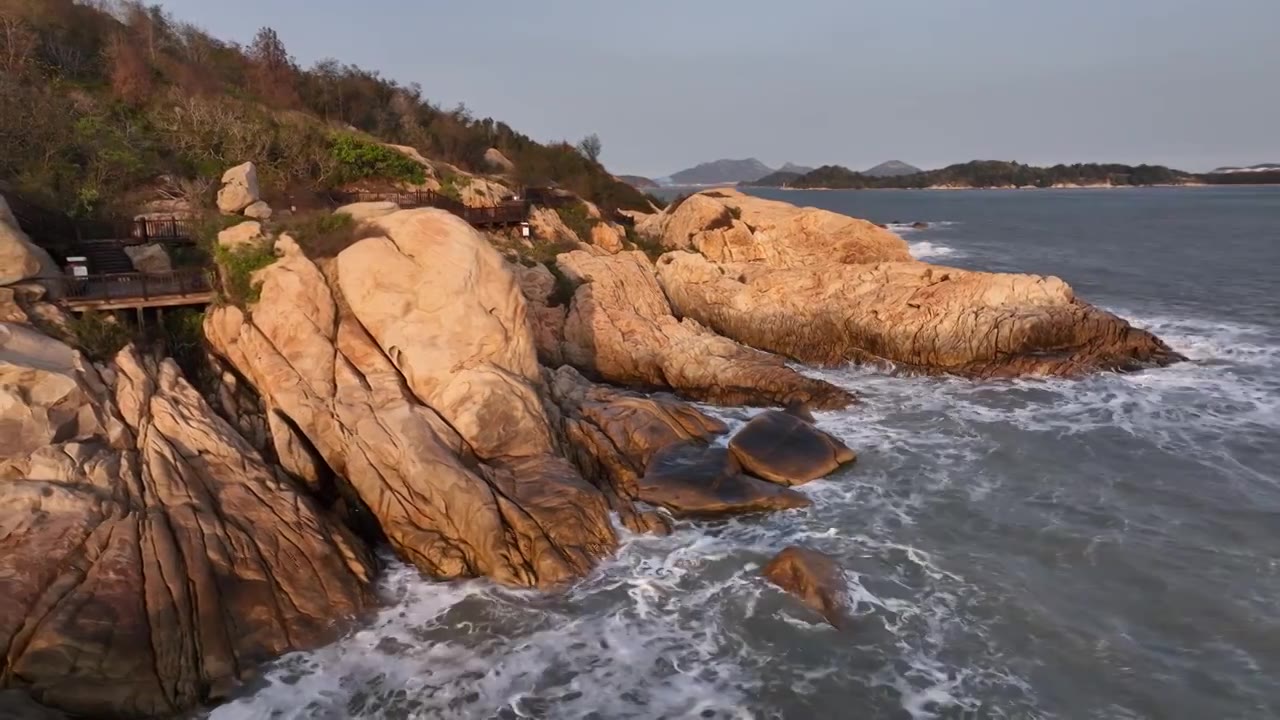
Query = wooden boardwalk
x=117 y=291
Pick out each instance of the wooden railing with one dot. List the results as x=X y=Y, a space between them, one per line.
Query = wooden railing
x=137 y=286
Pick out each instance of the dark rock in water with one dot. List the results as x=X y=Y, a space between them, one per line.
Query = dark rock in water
x=920 y=225
x=801 y=410
x=782 y=448
x=813 y=577
x=692 y=479
x=17 y=705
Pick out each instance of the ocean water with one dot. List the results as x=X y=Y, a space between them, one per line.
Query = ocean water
x=1101 y=548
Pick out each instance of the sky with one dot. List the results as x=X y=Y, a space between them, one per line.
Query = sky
x=667 y=84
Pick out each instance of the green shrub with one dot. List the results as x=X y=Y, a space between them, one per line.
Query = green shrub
x=452 y=185
x=648 y=246
x=238 y=266
x=359 y=159
x=99 y=336
x=575 y=217
x=324 y=234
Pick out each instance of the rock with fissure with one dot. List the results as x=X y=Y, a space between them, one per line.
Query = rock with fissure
x=693 y=479
x=149 y=557
x=917 y=317
x=782 y=448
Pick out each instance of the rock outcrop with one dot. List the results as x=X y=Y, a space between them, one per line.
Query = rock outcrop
x=20 y=259
x=548 y=227
x=498 y=162
x=149 y=557
x=546 y=314
x=917 y=317
x=239 y=189
x=813 y=577
x=621 y=328
x=613 y=435
x=245 y=234
x=692 y=479
x=417 y=385
x=362 y=211
x=259 y=210
x=150 y=258
x=727 y=226
x=785 y=449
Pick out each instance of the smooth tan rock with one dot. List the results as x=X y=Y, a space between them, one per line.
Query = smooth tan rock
x=548 y=227
x=150 y=259
x=149 y=558
x=367 y=210
x=621 y=329
x=815 y=578
x=258 y=211
x=782 y=448
x=917 y=317
x=448 y=312
x=608 y=236
x=692 y=479
x=239 y=188
x=20 y=259
x=494 y=158
x=246 y=234
x=728 y=226
x=455 y=506
x=482 y=192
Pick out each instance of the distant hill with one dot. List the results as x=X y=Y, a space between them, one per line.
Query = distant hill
x=892 y=168
x=721 y=172
x=1263 y=168
x=992 y=174
x=794 y=168
x=781 y=178
x=637 y=182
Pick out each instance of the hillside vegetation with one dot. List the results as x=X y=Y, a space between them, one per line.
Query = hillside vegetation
x=99 y=102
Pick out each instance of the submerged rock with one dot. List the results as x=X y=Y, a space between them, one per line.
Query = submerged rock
x=813 y=577
x=782 y=448
x=149 y=557
x=693 y=479
x=919 y=317
x=620 y=328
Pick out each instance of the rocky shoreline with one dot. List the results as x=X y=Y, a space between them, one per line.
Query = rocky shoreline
x=424 y=386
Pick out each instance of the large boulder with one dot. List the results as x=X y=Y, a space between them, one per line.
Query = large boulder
x=239 y=189
x=728 y=226
x=620 y=328
x=259 y=210
x=815 y=578
x=149 y=557
x=548 y=227
x=498 y=162
x=416 y=384
x=20 y=258
x=362 y=211
x=692 y=479
x=245 y=234
x=151 y=258
x=608 y=236
x=612 y=435
x=782 y=448
x=917 y=317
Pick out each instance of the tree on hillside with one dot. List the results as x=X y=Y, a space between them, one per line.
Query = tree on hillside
x=17 y=44
x=274 y=74
x=128 y=70
x=590 y=147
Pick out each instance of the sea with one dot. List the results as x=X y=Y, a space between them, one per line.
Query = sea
x=1040 y=548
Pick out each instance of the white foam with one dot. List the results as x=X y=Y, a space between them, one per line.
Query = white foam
x=923 y=249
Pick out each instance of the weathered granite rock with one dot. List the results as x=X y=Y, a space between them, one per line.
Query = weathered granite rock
x=548 y=227
x=608 y=236
x=149 y=558
x=728 y=226
x=239 y=189
x=620 y=328
x=417 y=387
x=150 y=258
x=245 y=234
x=813 y=577
x=920 y=318
x=259 y=210
x=612 y=436
x=20 y=258
x=494 y=158
x=368 y=210
x=782 y=448
x=693 y=479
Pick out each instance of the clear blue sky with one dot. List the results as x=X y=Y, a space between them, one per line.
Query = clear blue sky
x=669 y=83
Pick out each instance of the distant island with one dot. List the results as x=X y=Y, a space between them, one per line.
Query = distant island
x=1262 y=168
x=1000 y=174
x=729 y=172
x=638 y=182
x=892 y=168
